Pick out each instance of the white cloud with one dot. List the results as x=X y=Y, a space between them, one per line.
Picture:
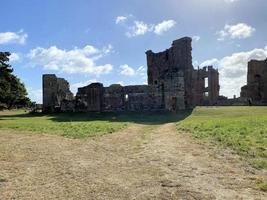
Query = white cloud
x=121 y=83
x=13 y=37
x=195 y=63
x=74 y=87
x=233 y=69
x=108 y=49
x=213 y=61
x=14 y=57
x=141 y=71
x=120 y=19
x=238 y=31
x=230 y=1
x=196 y=38
x=73 y=61
x=139 y=28
x=36 y=95
x=164 y=26
x=130 y=71
x=127 y=70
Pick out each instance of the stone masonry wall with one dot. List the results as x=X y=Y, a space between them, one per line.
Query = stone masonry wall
x=173 y=85
x=130 y=98
x=256 y=88
x=55 y=90
x=205 y=94
x=90 y=98
x=169 y=73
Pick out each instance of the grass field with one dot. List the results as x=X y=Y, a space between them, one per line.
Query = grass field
x=243 y=129
x=80 y=125
x=69 y=125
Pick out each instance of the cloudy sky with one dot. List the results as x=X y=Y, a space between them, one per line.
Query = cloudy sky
x=102 y=40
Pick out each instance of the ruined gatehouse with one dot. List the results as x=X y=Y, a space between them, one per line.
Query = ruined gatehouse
x=173 y=84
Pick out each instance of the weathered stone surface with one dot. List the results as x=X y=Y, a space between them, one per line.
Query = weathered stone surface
x=170 y=72
x=90 y=98
x=68 y=106
x=55 y=90
x=181 y=86
x=205 y=93
x=114 y=98
x=256 y=88
x=138 y=98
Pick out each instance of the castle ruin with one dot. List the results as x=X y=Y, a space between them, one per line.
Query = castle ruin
x=173 y=84
x=256 y=88
x=55 y=92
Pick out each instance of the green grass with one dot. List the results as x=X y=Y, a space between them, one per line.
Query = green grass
x=243 y=129
x=70 y=125
x=81 y=125
x=2 y=180
x=263 y=186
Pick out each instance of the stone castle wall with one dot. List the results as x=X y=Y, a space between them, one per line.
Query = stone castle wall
x=256 y=88
x=55 y=91
x=205 y=93
x=173 y=84
x=169 y=73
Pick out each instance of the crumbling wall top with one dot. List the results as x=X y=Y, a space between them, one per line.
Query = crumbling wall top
x=257 y=61
x=181 y=40
x=177 y=42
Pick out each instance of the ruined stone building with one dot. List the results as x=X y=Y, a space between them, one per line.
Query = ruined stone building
x=173 y=84
x=205 y=86
x=256 y=88
x=55 y=91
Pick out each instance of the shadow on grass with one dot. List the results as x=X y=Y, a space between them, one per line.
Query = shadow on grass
x=149 y=118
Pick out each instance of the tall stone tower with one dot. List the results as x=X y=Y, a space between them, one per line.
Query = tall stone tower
x=170 y=74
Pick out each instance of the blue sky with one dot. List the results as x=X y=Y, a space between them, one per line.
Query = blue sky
x=103 y=40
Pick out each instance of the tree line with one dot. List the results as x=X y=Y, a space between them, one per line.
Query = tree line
x=13 y=93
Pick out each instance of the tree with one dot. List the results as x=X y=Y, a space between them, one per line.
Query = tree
x=12 y=92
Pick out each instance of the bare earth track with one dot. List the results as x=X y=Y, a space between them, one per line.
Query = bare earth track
x=141 y=162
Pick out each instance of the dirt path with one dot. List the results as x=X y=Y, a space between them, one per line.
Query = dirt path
x=142 y=162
